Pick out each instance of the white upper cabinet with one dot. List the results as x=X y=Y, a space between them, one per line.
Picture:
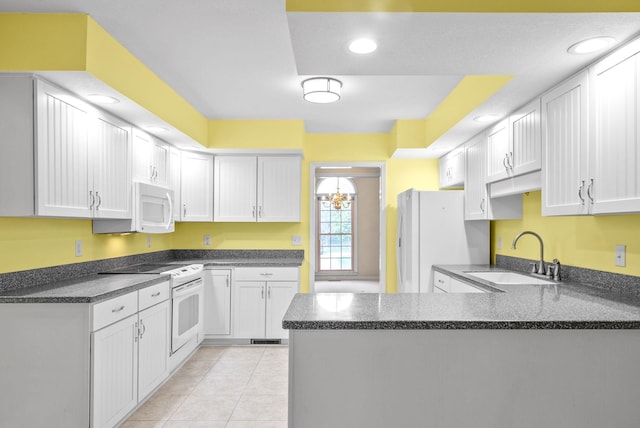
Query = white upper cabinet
x=475 y=189
x=110 y=153
x=452 y=169
x=257 y=188
x=196 y=188
x=151 y=159
x=175 y=169
x=564 y=146
x=514 y=144
x=614 y=180
x=59 y=156
x=278 y=188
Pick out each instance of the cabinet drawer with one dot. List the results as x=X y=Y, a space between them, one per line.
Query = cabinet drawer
x=153 y=295
x=441 y=281
x=110 y=311
x=267 y=274
x=462 y=287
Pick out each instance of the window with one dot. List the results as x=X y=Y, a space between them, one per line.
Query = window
x=335 y=227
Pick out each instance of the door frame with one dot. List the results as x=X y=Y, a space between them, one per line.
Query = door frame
x=382 y=262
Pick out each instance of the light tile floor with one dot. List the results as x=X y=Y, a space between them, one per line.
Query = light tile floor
x=222 y=387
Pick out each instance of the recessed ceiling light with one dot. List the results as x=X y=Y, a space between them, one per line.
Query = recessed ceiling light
x=153 y=128
x=102 y=99
x=363 y=46
x=591 y=45
x=485 y=118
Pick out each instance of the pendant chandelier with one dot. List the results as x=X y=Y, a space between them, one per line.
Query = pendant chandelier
x=337 y=200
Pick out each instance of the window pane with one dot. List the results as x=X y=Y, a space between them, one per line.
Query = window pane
x=325 y=215
x=325 y=227
x=335 y=239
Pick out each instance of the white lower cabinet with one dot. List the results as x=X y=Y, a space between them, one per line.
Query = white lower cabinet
x=260 y=299
x=130 y=357
x=217 y=303
x=445 y=284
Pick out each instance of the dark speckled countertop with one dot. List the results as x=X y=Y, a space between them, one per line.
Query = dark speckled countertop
x=87 y=289
x=561 y=305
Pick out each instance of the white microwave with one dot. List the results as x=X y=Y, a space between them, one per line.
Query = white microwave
x=152 y=212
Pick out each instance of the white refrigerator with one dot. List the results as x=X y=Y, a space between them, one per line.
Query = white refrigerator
x=432 y=230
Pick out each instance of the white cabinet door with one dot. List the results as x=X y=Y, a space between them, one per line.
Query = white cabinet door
x=196 y=187
x=217 y=302
x=279 y=189
x=457 y=286
x=235 y=189
x=63 y=172
x=614 y=179
x=114 y=372
x=452 y=169
x=564 y=148
x=153 y=347
x=279 y=296
x=249 y=309
x=526 y=152
x=475 y=189
x=175 y=170
x=111 y=157
x=498 y=152
x=151 y=159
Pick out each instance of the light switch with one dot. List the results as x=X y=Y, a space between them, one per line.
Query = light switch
x=207 y=239
x=78 y=248
x=621 y=255
x=296 y=240
x=148 y=241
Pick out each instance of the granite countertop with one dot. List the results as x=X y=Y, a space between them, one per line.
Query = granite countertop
x=88 y=289
x=244 y=262
x=560 y=305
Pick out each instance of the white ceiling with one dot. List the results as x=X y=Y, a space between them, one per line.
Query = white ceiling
x=245 y=59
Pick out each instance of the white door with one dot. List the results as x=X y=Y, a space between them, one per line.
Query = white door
x=249 y=309
x=526 y=155
x=235 y=189
x=196 y=187
x=217 y=302
x=564 y=148
x=475 y=189
x=498 y=152
x=279 y=188
x=111 y=157
x=153 y=351
x=279 y=296
x=615 y=156
x=114 y=391
x=63 y=173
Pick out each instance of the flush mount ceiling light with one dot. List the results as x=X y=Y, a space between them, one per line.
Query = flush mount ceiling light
x=321 y=90
x=588 y=46
x=486 y=118
x=102 y=99
x=363 y=46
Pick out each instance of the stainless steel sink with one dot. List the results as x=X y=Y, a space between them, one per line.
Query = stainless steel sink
x=508 y=278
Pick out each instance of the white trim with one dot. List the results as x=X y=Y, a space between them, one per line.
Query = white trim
x=383 y=218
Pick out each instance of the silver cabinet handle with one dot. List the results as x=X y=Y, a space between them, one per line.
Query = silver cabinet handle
x=262 y=293
x=92 y=199
x=580 y=189
x=589 y=191
x=136 y=336
x=504 y=162
x=99 y=201
x=510 y=160
x=260 y=211
x=227 y=282
x=156 y=294
x=266 y=274
x=482 y=205
x=253 y=212
x=116 y=310
x=144 y=328
x=184 y=210
x=268 y=292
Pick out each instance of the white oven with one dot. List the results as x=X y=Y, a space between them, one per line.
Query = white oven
x=186 y=314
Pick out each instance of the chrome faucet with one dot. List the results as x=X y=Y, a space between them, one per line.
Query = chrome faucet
x=540 y=268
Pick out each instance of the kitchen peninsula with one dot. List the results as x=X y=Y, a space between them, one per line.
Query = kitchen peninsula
x=557 y=355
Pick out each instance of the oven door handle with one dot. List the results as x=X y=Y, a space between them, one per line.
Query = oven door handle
x=191 y=287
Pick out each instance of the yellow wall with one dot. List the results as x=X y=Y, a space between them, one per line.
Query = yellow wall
x=583 y=241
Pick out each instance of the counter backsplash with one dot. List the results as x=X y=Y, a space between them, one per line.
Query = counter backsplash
x=41 y=276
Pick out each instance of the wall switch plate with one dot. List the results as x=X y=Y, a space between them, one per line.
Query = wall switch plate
x=148 y=241
x=207 y=240
x=78 y=248
x=296 y=240
x=621 y=255
x=499 y=244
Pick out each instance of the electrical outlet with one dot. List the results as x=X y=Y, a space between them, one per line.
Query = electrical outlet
x=621 y=255
x=148 y=241
x=296 y=240
x=499 y=244
x=207 y=239
x=78 y=248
